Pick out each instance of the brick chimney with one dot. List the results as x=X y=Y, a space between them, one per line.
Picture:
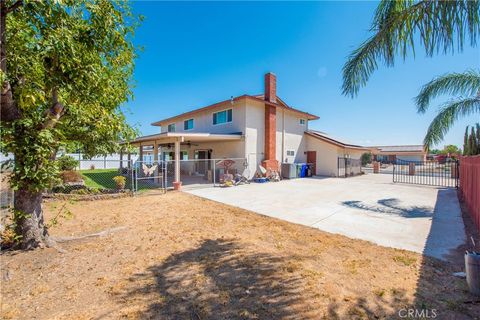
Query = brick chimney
x=271 y=87
x=270 y=162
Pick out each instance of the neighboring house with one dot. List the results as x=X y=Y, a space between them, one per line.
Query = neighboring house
x=262 y=129
x=390 y=154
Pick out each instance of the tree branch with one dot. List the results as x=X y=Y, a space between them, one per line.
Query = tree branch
x=8 y=108
x=14 y=6
x=55 y=112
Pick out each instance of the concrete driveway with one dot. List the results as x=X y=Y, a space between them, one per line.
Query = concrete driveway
x=369 y=207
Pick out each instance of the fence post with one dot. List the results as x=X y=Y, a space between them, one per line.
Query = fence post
x=213 y=174
x=393 y=173
x=165 y=173
x=132 y=182
x=411 y=169
x=376 y=167
x=134 y=172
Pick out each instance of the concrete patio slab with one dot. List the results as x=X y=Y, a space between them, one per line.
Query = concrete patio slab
x=370 y=207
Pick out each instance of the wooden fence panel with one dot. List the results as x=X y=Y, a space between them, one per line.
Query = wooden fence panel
x=470 y=186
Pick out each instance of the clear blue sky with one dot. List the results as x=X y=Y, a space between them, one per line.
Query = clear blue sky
x=198 y=53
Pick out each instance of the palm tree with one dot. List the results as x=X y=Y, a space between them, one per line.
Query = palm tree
x=465 y=86
x=401 y=25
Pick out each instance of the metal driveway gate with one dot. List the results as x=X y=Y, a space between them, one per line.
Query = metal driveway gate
x=432 y=173
x=348 y=167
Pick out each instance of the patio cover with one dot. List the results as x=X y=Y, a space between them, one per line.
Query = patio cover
x=177 y=138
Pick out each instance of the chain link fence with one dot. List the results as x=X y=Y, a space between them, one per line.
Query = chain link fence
x=150 y=175
x=96 y=177
x=105 y=176
x=6 y=193
x=197 y=173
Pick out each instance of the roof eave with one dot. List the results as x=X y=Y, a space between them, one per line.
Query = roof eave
x=337 y=143
x=245 y=96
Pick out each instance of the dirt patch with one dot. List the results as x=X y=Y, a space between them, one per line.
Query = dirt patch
x=183 y=257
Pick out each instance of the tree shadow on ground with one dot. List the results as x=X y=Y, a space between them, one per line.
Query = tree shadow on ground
x=221 y=280
x=360 y=308
x=391 y=206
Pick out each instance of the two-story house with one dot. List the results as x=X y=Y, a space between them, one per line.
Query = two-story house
x=262 y=129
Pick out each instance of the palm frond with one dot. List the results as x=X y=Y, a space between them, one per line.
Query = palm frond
x=447 y=116
x=467 y=84
x=441 y=26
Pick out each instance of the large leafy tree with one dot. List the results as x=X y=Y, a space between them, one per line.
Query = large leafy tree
x=400 y=27
x=466 y=88
x=66 y=67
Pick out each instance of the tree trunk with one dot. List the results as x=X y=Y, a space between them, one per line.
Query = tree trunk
x=30 y=224
x=8 y=108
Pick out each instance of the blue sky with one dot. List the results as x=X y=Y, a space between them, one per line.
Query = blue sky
x=199 y=53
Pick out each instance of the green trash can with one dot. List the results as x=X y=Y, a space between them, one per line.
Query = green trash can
x=472 y=270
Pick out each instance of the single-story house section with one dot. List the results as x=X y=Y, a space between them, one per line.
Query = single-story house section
x=390 y=154
x=262 y=129
x=331 y=150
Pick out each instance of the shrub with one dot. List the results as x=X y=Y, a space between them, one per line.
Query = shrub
x=71 y=176
x=8 y=238
x=67 y=163
x=366 y=158
x=92 y=167
x=80 y=191
x=120 y=182
x=95 y=191
x=67 y=189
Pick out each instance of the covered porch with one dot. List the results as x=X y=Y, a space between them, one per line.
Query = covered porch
x=190 y=159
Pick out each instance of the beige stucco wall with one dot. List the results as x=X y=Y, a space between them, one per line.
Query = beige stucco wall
x=254 y=133
x=203 y=121
x=351 y=153
x=220 y=150
x=294 y=138
x=249 y=118
x=328 y=154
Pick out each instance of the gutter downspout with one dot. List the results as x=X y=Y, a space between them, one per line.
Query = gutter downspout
x=283 y=135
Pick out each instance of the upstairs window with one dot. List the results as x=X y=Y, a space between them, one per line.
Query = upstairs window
x=171 y=127
x=222 y=116
x=290 y=153
x=188 y=124
x=302 y=122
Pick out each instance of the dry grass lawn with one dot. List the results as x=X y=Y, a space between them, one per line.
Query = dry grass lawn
x=182 y=257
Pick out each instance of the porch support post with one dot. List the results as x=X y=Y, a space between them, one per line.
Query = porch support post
x=155 y=151
x=121 y=160
x=155 y=161
x=140 y=153
x=177 y=184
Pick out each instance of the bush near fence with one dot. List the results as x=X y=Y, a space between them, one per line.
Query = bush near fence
x=470 y=186
x=96 y=177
